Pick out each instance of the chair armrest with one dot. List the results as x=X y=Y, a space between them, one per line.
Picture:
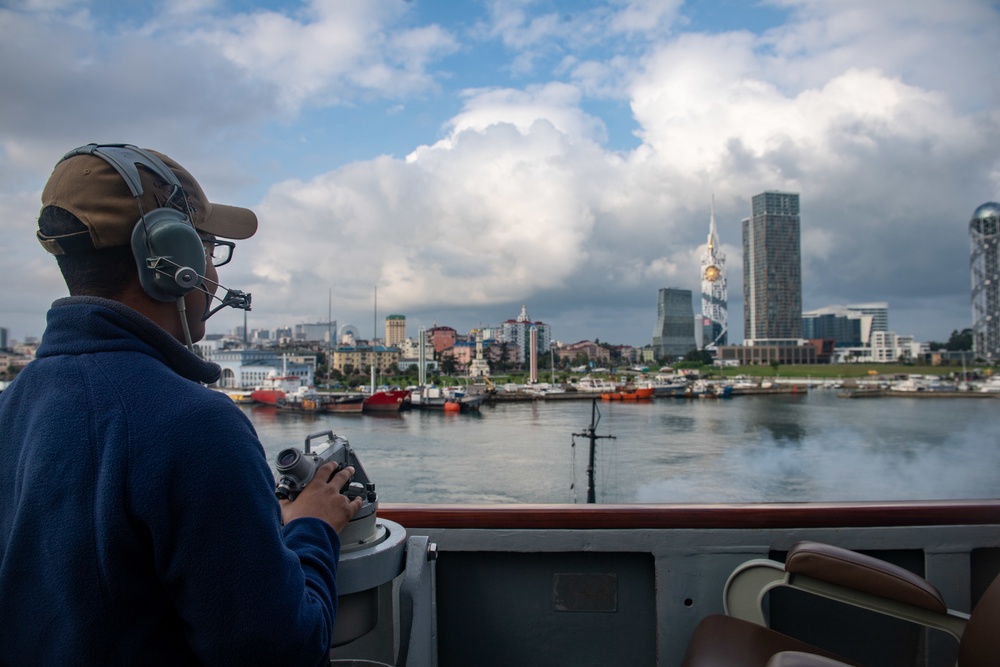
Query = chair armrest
x=859 y=572
x=845 y=576
x=800 y=659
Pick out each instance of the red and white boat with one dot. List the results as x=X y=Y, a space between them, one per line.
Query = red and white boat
x=276 y=387
x=386 y=400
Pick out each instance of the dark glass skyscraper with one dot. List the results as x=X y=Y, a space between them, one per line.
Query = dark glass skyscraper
x=674 y=333
x=984 y=234
x=772 y=269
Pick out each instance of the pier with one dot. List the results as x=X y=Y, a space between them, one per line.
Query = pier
x=573 y=395
x=895 y=393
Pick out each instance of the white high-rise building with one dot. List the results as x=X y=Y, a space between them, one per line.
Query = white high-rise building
x=714 y=293
x=984 y=235
x=519 y=332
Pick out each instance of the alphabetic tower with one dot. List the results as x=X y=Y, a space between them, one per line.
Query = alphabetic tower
x=714 y=296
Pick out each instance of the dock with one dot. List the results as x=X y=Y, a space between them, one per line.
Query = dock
x=895 y=393
x=571 y=395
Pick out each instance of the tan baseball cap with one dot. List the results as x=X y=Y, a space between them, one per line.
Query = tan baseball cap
x=92 y=189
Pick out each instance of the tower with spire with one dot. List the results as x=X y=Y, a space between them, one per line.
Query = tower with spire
x=714 y=295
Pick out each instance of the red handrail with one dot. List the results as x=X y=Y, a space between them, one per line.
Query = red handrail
x=764 y=515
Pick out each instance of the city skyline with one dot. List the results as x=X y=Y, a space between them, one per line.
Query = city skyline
x=466 y=158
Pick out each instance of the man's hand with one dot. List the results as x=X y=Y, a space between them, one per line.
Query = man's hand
x=322 y=499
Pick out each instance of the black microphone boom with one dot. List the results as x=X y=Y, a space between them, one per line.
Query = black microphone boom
x=234 y=299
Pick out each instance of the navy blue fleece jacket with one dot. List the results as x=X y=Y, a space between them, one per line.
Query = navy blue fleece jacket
x=138 y=523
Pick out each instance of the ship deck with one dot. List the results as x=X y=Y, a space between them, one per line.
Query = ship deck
x=627 y=584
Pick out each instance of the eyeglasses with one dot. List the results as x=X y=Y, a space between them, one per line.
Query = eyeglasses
x=219 y=252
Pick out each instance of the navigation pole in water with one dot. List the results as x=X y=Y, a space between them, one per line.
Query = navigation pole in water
x=591 y=435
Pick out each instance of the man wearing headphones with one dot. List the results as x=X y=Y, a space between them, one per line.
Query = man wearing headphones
x=138 y=522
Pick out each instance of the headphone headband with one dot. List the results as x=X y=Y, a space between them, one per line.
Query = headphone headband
x=124 y=158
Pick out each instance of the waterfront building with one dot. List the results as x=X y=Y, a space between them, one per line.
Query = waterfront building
x=849 y=325
x=714 y=293
x=772 y=269
x=363 y=357
x=406 y=363
x=317 y=332
x=627 y=354
x=479 y=367
x=13 y=361
x=462 y=354
x=647 y=354
x=592 y=351
x=245 y=368
x=844 y=331
x=3 y=338
x=888 y=347
x=518 y=331
x=472 y=358
x=768 y=353
x=674 y=333
x=845 y=328
x=410 y=348
x=879 y=312
x=489 y=332
x=984 y=237
x=395 y=330
x=441 y=338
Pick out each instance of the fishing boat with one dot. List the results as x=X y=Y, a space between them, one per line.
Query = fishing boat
x=344 y=403
x=276 y=387
x=990 y=386
x=591 y=384
x=441 y=398
x=304 y=399
x=240 y=397
x=668 y=385
x=705 y=389
x=635 y=393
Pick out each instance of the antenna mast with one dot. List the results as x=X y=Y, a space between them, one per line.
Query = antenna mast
x=591 y=434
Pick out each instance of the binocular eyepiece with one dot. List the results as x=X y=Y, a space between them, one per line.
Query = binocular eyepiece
x=296 y=468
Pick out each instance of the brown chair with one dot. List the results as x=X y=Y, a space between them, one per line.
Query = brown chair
x=741 y=638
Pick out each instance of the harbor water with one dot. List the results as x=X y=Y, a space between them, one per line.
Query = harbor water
x=805 y=447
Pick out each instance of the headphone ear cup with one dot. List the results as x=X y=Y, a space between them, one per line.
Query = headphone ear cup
x=169 y=254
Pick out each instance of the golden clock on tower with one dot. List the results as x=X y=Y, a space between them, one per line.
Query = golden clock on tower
x=712 y=273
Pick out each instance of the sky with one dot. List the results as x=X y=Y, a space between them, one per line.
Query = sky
x=464 y=158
